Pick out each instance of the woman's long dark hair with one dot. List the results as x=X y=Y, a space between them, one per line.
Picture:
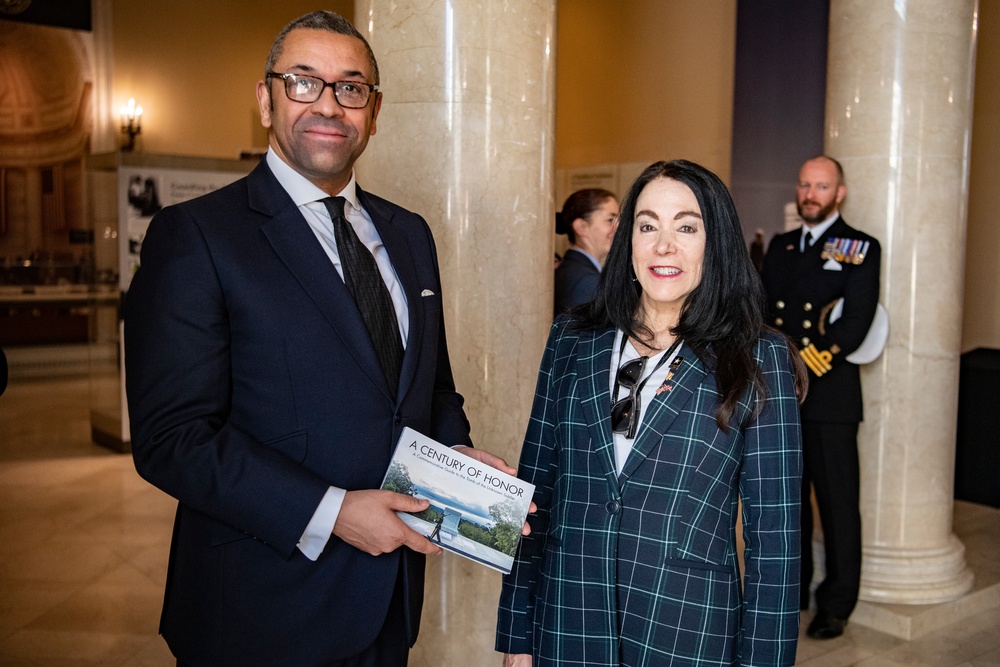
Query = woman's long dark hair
x=722 y=318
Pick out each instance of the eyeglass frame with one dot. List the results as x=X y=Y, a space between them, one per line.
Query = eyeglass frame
x=286 y=77
x=633 y=397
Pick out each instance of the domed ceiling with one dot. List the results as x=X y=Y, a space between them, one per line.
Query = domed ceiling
x=44 y=99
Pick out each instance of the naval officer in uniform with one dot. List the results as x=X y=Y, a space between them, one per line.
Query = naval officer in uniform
x=822 y=284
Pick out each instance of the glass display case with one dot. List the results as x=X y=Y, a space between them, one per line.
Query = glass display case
x=124 y=191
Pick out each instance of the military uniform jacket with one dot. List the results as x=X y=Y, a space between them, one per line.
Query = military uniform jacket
x=641 y=568
x=802 y=288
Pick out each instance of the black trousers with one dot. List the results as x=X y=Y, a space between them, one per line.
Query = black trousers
x=390 y=648
x=831 y=468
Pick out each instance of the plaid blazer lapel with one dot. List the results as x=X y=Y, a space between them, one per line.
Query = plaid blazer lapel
x=594 y=373
x=671 y=396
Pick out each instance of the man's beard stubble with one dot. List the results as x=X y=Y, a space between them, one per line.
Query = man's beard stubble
x=821 y=214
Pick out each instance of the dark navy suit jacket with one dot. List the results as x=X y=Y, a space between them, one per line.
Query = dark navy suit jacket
x=575 y=282
x=252 y=387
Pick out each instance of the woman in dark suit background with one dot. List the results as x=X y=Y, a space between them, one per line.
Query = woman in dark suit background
x=588 y=219
x=657 y=408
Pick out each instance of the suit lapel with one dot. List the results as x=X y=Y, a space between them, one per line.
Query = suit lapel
x=673 y=395
x=593 y=371
x=296 y=245
x=403 y=263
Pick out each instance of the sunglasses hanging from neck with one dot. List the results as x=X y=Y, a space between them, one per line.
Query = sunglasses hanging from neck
x=625 y=412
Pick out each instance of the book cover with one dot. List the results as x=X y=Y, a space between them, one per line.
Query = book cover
x=475 y=510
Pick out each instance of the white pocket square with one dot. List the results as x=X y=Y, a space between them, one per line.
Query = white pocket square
x=427 y=292
x=833 y=265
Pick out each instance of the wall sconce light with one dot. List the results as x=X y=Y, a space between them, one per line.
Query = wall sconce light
x=131 y=117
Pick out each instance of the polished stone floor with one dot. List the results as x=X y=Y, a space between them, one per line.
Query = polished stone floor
x=83 y=552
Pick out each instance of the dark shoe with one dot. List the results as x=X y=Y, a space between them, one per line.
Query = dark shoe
x=824 y=626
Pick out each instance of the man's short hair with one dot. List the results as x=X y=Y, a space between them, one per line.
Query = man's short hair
x=321 y=20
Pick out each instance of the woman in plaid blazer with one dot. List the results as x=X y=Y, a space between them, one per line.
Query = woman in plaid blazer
x=658 y=406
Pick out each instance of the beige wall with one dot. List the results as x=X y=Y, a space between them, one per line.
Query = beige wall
x=193 y=66
x=641 y=80
x=981 y=320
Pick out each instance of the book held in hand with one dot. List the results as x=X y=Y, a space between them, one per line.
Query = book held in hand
x=476 y=511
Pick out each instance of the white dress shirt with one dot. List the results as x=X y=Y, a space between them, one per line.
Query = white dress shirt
x=623 y=446
x=309 y=199
x=812 y=234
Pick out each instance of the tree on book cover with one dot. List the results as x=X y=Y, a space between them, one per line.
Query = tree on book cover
x=503 y=536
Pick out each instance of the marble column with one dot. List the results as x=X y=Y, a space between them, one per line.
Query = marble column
x=899 y=118
x=466 y=138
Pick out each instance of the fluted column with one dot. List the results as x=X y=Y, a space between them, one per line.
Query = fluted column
x=899 y=117
x=465 y=138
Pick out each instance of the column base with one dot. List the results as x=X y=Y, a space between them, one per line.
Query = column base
x=909 y=621
x=912 y=576
x=978 y=529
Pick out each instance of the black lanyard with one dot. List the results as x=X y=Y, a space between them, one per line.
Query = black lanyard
x=642 y=383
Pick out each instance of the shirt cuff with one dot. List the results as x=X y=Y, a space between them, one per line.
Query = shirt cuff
x=320 y=527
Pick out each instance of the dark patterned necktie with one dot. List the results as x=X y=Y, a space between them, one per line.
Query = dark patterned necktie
x=365 y=284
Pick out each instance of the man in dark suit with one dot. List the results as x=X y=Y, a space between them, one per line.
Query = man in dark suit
x=267 y=390
x=806 y=273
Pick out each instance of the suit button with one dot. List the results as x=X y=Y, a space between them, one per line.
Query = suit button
x=613 y=506
x=806 y=324
x=778 y=321
x=808 y=307
x=780 y=304
x=805 y=341
x=398 y=420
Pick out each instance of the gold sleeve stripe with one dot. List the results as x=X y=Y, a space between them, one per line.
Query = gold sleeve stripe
x=809 y=362
x=818 y=362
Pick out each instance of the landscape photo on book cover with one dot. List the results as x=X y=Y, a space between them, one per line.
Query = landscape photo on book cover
x=475 y=510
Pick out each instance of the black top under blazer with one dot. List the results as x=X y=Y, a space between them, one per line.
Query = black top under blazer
x=253 y=386
x=802 y=288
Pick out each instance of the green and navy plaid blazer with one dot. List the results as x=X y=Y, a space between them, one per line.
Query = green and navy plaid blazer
x=641 y=568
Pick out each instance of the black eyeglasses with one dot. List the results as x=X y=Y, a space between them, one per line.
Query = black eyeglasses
x=625 y=413
x=308 y=89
